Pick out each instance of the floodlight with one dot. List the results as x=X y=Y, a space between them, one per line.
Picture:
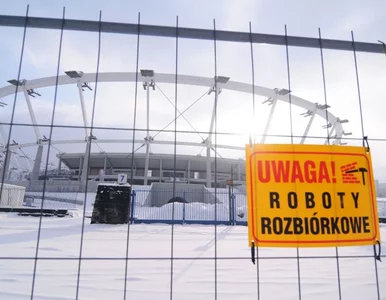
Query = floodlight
x=85 y=85
x=74 y=74
x=221 y=79
x=324 y=106
x=2 y=104
x=282 y=91
x=269 y=99
x=152 y=85
x=327 y=126
x=347 y=133
x=147 y=73
x=342 y=121
x=17 y=82
x=307 y=113
x=32 y=93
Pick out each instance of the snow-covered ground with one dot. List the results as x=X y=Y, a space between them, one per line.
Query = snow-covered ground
x=149 y=267
x=102 y=271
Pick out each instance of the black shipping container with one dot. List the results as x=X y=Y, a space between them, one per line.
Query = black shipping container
x=112 y=204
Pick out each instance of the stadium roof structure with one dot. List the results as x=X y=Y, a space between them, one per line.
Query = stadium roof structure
x=148 y=78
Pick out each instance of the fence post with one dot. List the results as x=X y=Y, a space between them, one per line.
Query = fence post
x=230 y=205
x=183 y=214
x=233 y=209
x=133 y=194
x=183 y=209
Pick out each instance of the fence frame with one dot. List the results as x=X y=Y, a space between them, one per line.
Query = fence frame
x=190 y=33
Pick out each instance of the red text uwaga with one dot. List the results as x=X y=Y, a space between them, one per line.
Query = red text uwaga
x=286 y=171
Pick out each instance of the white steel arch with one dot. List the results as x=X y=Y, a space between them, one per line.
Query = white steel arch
x=170 y=78
x=272 y=95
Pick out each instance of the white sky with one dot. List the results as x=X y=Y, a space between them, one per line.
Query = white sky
x=114 y=102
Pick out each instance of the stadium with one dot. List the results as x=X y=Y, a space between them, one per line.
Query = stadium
x=148 y=167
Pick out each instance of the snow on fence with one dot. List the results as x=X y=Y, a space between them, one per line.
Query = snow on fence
x=229 y=209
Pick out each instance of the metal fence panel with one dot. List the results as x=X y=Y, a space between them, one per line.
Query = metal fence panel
x=83 y=104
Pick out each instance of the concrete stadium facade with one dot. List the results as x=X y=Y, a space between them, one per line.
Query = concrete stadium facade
x=187 y=169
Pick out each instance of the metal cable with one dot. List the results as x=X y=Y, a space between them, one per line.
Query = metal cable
x=134 y=151
x=88 y=149
x=27 y=157
x=253 y=141
x=27 y=160
x=247 y=258
x=201 y=150
x=324 y=84
x=18 y=165
x=106 y=156
x=292 y=141
x=289 y=83
x=217 y=153
x=100 y=148
x=358 y=86
x=363 y=134
x=56 y=148
x=174 y=163
x=132 y=154
x=328 y=142
x=215 y=158
x=48 y=155
x=181 y=114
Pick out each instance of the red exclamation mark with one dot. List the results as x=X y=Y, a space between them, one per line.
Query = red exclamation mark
x=333 y=171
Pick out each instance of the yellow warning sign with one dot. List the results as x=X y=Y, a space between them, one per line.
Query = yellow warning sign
x=310 y=196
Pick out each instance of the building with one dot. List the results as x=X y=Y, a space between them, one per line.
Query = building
x=189 y=169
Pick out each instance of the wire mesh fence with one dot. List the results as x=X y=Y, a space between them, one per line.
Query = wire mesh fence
x=172 y=108
x=186 y=208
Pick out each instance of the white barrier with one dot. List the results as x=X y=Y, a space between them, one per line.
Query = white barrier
x=11 y=195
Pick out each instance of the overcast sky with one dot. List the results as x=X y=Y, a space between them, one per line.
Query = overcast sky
x=115 y=102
